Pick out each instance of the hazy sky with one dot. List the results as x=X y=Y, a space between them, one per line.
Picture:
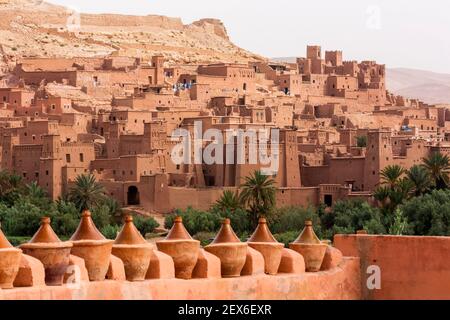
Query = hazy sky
x=399 y=33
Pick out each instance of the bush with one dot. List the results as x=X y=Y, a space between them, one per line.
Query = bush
x=240 y=219
x=353 y=215
x=65 y=224
x=65 y=218
x=205 y=238
x=195 y=221
x=429 y=215
x=22 y=219
x=110 y=231
x=293 y=219
x=145 y=224
x=17 y=241
x=400 y=225
x=361 y=141
x=287 y=237
x=101 y=216
x=244 y=236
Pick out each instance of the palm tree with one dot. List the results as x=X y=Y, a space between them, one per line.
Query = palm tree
x=438 y=165
x=37 y=196
x=258 y=194
x=420 y=178
x=402 y=192
x=7 y=182
x=11 y=186
x=381 y=194
x=229 y=201
x=391 y=175
x=115 y=210
x=394 y=189
x=87 y=192
x=33 y=190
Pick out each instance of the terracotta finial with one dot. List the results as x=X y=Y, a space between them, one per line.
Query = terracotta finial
x=226 y=234
x=178 y=231
x=86 y=229
x=4 y=243
x=262 y=233
x=308 y=236
x=45 y=233
x=361 y=232
x=129 y=233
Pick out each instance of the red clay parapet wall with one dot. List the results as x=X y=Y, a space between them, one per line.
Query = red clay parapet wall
x=92 y=271
x=339 y=283
x=411 y=267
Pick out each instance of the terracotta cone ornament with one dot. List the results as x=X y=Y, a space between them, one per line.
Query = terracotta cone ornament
x=182 y=248
x=48 y=248
x=310 y=247
x=263 y=241
x=131 y=247
x=90 y=245
x=230 y=250
x=9 y=262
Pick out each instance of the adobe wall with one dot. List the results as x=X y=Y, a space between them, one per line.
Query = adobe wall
x=297 y=197
x=109 y=20
x=202 y=199
x=411 y=267
x=340 y=283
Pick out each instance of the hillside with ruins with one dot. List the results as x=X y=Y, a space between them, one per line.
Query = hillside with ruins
x=34 y=28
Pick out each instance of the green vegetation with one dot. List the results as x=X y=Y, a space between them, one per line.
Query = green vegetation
x=145 y=225
x=361 y=142
x=438 y=166
x=195 y=221
x=411 y=202
x=22 y=206
x=258 y=195
x=86 y=193
x=428 y=215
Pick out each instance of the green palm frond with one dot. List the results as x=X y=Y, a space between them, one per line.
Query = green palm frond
x=87 y=192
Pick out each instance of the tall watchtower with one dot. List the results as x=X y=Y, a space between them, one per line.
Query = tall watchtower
x=378 y=156
x=158 y=63
x=313 y=52
x=50 y=173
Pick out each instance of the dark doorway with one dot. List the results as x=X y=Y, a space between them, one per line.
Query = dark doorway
x=328 y=200
x=210 y=181
x=133 y=196
x=286 y=91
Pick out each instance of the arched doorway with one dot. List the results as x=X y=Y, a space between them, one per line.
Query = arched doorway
x=133 y=196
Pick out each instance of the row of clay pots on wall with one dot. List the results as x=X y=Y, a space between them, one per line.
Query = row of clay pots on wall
x=232 y=252
x=87 y=243
x=135 y=252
